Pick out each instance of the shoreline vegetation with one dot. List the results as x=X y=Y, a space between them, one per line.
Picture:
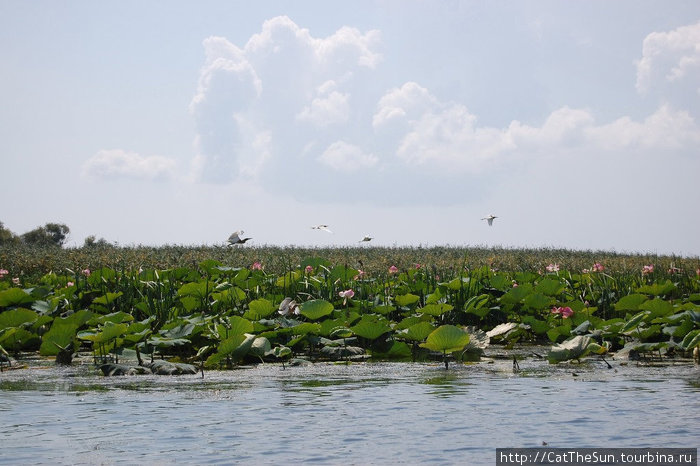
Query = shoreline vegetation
x=220 y=306
x=32 y=261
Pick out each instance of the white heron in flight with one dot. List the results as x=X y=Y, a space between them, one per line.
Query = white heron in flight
x=489 y=219
x=366 y=239
x=235 y=238
x=321 y=227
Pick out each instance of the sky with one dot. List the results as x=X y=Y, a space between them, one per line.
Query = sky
x=576 y=123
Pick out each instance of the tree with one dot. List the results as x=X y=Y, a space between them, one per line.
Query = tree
x=51 y=234
x=7 y=237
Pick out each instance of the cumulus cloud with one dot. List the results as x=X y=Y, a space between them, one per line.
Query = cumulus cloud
x=260 y=105
x=670 y=57
x=302 y=115
x=117 y=163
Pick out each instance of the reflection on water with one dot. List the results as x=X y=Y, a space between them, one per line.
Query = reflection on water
x=333 y=414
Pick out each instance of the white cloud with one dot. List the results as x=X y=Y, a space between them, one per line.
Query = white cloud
x=258 y=106
x=329 y=108
x=122 y=164
x=671 y=56
x=345 y=157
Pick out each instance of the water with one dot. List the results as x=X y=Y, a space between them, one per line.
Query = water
x=366 y=413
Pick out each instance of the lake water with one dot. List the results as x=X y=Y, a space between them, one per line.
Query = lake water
x=362 y=413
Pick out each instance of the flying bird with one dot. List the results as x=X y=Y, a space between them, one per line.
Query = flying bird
x=489 y=219
x=235 y=238
x=366 y=239
x=321 y=227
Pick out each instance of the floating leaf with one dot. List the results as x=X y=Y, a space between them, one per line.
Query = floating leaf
x=17 y=318
x=259 y=309
x=14 y=296
x=630 y=302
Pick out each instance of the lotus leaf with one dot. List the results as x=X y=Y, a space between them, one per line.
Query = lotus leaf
x=107 y=298
x=418 y=331
x=14 y=296
x=657 y=307
x=259 y=309
x=316 y=308
x=436 y=309
x=371 y=327
x=446 y=338
x=631 y=302
x=634 y=322
x=517 y=294
x=658 y=289
x=537 y=301
x=260 y=347
x=550 y=287
x=501 y=329
x=397 y=350
x=691 y=340
x=405 y=300
x=17 y=318
x=573 y=348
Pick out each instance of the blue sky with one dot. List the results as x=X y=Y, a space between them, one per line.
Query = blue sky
x=576 y=123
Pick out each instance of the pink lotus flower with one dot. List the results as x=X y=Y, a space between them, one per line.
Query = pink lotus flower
x=256 y=266
x=673 y=269
x=347 y=294
x=309 y=269
x=86 y=272
x=648 y=269
x=393 y=269
x=553 y=268
x=360 y=275
x=70 y=284
x=3 y=272
x=15 y=280
x=564 y=312
x=418 y=266
x=598 y=267
x=515 y=284
x=697 y=272
x=586 y=271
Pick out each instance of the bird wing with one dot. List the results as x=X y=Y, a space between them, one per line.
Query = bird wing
x=235 y=236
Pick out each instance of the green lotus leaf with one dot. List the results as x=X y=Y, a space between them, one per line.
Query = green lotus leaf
x=237 y=326
x=397 y=350
x=634 y=321
x=59 y=336
x=537 y=301
x=657 y=307
x=517 y=294
x=17 y=317
x=477 y=305
x=228 y=295
x=550 y=287
x=281 y=352
x=179 y=331
x=288 y=278
x=115 y=318
x=446 y=338
x=658 y=289
x=14 y=296
x=406 y=299
x=436 y=309
x=259 y=309
x=342 y=273
x=342 y=333
x=316 y=308
x=195 y=289
x=107 y=298
x=537 y=326
x=305 y=329
x=383 y=309
x=691 y=340
x=235 y=347
x=458 y=283
x=418 y=331
x=631 y=302
x=371 y=327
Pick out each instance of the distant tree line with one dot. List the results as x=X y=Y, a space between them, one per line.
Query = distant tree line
x=51 y=234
